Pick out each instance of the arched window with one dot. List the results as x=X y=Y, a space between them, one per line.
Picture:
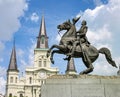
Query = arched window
x=16 y=80
x=21 y=95
x=42 y=81
x=11 y=79
x=30 y=80
x=42 y=40
x=10 y=95
x=35 y=92
x=44 y=63
x=39 y=95
x=40 y=63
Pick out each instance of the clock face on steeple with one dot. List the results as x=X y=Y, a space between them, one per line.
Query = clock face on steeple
x=42 y=74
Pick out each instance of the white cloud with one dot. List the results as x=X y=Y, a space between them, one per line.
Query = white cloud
x=21 y=60
x=2 y=85
x=97 y=2
x=10 y=11
x=2 y=71
x=30 y=54
x=2 y=80
x=99 y=35
x=20 y=52
x=1 y=46
x=34 y=17
x=23 y=65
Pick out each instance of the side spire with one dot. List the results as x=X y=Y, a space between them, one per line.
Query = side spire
x=71 y=67
x=42 y=41
x=118 y=73
x=13 y=60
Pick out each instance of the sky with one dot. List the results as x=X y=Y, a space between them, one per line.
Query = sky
x=20 y=20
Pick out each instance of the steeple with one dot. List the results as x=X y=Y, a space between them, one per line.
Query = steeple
x=13 y=61
x=118 y=73
x=42 y=41
x=71 y=67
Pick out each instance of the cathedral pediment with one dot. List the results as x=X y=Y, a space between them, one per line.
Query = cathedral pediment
x=51 y=69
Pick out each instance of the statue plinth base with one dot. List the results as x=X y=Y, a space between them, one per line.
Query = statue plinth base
x=81 y=86
x=71 y=73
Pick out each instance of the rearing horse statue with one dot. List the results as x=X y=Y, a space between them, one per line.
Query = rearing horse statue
x=88 y=53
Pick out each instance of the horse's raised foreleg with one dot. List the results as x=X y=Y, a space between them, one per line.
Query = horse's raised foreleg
x=60 y=47
x=52 y=53
x=49 y=51
x=88 y=64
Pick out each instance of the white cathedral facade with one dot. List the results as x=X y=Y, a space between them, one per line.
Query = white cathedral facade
x=30 y=84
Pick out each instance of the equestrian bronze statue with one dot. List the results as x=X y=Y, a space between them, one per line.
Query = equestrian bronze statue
x=76 y=45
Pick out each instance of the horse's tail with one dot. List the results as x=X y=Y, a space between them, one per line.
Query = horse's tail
x=107 y=53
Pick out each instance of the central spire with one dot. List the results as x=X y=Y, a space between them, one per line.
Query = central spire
x=42 y=41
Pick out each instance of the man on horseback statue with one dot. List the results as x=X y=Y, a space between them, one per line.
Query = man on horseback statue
x=80 y=38
x=75 y=44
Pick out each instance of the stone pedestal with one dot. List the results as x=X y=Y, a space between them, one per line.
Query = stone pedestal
x=71 y=67
x=81 y=86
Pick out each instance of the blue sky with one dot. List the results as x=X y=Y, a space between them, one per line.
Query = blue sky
x=20 y=19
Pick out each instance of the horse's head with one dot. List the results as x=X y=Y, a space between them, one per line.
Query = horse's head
x=64 y=26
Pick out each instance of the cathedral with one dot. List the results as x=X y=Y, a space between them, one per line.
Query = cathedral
x=30 y=84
